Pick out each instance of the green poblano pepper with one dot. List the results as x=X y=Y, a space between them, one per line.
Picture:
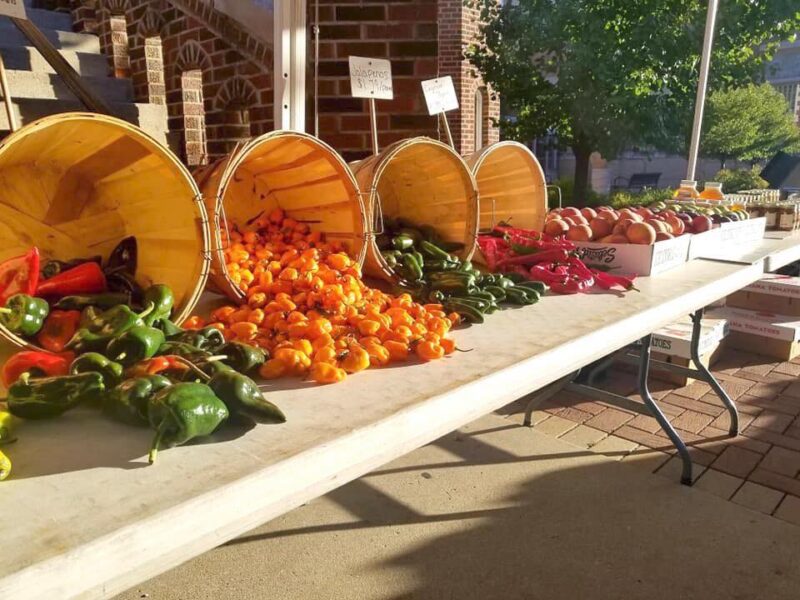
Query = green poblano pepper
x=103 y=301
x=94 y=362
x=128 y=401
x=137 y=343
x=191 y=353
x=97 y=328
x=183 y=412
x=241 y=395
x=52 y=396
x=242 y=357
x=162 y=299
x=24 y=315
x=168 y=327
x=208 y=338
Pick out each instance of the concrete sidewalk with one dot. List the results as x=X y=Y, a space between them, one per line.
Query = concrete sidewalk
x=498 y=511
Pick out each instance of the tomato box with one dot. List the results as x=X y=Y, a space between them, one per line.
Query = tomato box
x=673 y=344
x=762 y=332
x=772 y=293
x=636 y=259
x=728 y=240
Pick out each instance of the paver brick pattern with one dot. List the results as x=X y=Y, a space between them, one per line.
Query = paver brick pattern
x=760 y=468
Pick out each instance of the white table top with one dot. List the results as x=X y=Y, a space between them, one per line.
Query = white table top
x=777 y=249
x=85 y=517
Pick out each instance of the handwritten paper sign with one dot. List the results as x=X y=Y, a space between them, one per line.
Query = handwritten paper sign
x=440 y=95
x=13 y=8
x=370 y=78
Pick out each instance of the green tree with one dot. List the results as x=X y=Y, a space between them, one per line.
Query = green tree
x=750 y=123
x=605 y=74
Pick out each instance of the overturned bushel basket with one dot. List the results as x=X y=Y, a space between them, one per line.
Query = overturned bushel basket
x=292 y=171
x=425 y=182
x=511 y=185
x=74 y=185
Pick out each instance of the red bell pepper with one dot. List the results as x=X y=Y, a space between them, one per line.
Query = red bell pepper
x=86 y=278
x=58 y=329
x=45 y=363
x=19 y=275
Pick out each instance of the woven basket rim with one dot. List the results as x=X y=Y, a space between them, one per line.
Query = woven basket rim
x=166 y=153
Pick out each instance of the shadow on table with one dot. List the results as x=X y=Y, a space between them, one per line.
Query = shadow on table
x=83 y=439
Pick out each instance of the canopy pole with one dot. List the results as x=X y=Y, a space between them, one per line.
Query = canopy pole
x=6 y=89
x=702 y=84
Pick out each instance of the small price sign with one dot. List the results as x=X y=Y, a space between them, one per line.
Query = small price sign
x=370 y=78
x=440 y=95
x=13 y=8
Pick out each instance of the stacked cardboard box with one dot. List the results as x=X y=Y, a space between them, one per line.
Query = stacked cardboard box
x=764 y=317
x=672 y=344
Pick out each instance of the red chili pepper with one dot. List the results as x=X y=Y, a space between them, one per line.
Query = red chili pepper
x=86 y=278
x=578 y=267
x=608 y=281
x=45 y=363
x=571 y=286
x=19 y=275
x=58 y=329
x=546 y=275
x=553 y=255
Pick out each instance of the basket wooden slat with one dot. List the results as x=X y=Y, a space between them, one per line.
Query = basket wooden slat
x=511 y=184
x=425 y=181
x=75 y=184
x=289 y=170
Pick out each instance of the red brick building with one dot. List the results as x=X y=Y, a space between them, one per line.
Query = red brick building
x=216 y=77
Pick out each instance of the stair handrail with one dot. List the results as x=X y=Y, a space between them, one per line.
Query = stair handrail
x=62 y=68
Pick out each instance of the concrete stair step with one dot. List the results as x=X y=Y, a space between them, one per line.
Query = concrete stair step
x=49 y=86
x=62 y=40
x=150 y=117
x=28 y=58
x=49 y=19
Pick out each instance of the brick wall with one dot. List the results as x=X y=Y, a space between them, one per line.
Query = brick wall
x=458 y=25
x=214 y=77
x=403 y=31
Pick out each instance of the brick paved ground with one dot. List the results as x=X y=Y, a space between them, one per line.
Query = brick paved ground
x=760 y=468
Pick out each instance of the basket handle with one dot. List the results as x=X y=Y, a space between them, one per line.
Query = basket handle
x=220 y=214
x=378 y=216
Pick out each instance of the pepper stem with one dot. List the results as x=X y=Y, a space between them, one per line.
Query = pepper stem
x=193 y=367
x=150 y=308
x=151 y=457
x=121 y=356
x=5 y=311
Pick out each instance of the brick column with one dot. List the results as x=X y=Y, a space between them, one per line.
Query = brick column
x=458 y=26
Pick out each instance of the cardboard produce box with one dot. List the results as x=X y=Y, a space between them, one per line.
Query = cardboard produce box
x=636 y=259
x=730 y=238
x=772 y=293
x=762 y=332
x=672 y=344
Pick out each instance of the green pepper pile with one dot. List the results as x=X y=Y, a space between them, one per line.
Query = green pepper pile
x=129 y=359
x=430 y=271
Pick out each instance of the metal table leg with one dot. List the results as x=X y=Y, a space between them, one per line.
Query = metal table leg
x=644 y=391
x=545 y=394
x=697 y=320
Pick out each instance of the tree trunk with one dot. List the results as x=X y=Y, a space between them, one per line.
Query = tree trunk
x=581 y=187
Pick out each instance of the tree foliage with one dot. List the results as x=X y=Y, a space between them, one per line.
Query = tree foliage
x=605 y=74
x=751 y=123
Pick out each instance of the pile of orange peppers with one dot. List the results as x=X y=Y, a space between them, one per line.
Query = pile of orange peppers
x=309 y=307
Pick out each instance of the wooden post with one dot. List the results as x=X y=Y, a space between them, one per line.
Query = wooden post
x=446 y=126
x=373 y=118
x=4 y=87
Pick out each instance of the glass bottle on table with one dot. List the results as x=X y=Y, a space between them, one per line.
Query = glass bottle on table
x=687 y=191
x=712 y=192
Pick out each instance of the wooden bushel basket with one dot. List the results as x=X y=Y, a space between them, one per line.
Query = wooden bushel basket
x=289 y=170
x=425 y=181
x=76 y=184
x=511 y=184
